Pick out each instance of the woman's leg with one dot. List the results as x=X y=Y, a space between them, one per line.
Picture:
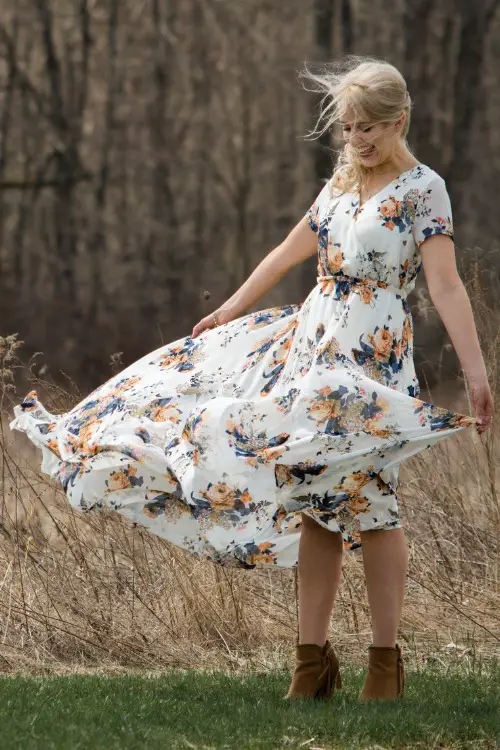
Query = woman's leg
x=319 y=572
x=385 y=561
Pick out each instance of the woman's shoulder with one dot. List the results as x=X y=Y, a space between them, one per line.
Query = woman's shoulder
x=339 y=184
x=423 y=175
x=334 y=183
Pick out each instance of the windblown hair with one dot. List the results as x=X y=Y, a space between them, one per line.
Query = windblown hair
x=375 y=91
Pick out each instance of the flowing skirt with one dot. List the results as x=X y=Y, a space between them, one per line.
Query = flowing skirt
x=218 y=443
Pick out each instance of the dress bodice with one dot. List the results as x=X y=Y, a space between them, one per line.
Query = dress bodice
x=381 y=240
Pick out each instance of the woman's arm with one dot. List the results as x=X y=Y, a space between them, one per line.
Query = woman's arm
x=451 y=300
x=299 y=244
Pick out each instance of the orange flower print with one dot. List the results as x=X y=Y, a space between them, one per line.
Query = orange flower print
x=297 y=473
x=328 y=407
x=221 y=499
x=372 y=428
x=393 y=215
x=264 y=555
x=328 y=352
x=54 y=447
x=256 y=448
x=182 y=358
x=156 y=507
x=382 y=404
x=325 y=391
x=358 y=504
x=282 y=352
x=352 y=484
x=382 y=343
x=262 y=347
x=285 y=522
x=390 y=207
x=253 y=554
x=403 y=273
x=220 y=495
x=123 y=385
x=264 y=317
x=335 y=258
x=353 y=541
x=123 y=480
x=270 y=454
x=30 y=402
x=71 y=443
x=87 y=431
x=380 y=356
x=366 y=293
x=324 y=409
x=440 y=225
x=163 y=410
x=407 y=334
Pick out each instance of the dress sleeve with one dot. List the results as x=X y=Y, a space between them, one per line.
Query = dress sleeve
x=433 y=213
x=317 y=210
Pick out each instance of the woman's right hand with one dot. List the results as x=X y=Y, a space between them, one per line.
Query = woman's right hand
x=224 y=315
x=482 y=401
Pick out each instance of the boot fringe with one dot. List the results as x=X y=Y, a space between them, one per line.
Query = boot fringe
x=330 y=677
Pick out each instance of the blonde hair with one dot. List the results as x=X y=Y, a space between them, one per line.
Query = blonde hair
x=375 y=91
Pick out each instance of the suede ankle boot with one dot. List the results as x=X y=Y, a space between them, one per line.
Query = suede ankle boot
x=316 y=672
x=386 y=677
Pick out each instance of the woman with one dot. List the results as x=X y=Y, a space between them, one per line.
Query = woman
x=274 y=438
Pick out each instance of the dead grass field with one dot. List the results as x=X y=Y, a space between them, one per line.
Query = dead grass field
x=84 y=593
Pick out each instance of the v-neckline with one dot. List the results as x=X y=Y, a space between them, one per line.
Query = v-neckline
x=388 y=184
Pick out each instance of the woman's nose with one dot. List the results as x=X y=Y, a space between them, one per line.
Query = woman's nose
x=355 y=139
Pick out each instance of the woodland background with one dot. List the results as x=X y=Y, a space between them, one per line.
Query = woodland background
x=150 y=151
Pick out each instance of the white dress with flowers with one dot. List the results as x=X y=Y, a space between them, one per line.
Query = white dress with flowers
x=218 y=443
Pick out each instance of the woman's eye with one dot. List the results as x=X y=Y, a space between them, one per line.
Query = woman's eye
x=347 y=129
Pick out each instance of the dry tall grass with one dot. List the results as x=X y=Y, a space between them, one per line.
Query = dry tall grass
x=80 y=592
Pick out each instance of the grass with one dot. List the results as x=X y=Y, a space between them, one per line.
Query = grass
x=195 y=709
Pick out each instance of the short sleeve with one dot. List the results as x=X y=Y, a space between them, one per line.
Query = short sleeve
x=433 y=213
x=318 y=209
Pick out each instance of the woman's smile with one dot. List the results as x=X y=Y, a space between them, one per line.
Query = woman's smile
x=367 y=151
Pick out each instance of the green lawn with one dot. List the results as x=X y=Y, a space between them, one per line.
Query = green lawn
x=216 y=710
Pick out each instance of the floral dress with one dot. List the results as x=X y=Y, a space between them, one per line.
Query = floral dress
x=219 y=443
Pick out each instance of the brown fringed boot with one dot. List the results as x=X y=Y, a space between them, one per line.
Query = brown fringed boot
x=316 y=672
x=386 y=676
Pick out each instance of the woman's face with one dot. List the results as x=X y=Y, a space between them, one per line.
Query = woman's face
x=373 y=144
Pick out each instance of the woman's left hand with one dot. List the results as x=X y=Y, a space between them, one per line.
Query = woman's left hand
x=224 y=315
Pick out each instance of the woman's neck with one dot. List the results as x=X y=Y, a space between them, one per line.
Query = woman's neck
x=397 y=163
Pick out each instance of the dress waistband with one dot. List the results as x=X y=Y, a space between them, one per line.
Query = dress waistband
x=355 y=280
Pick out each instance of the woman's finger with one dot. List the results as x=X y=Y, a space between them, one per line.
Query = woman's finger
x=483 y=421
x=203 y=325
x=486 y=408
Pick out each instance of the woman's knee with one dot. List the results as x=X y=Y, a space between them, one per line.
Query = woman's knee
x=310 y=523
x=313 y=525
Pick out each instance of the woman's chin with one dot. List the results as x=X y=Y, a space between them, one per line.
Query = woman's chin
x=370 y=161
